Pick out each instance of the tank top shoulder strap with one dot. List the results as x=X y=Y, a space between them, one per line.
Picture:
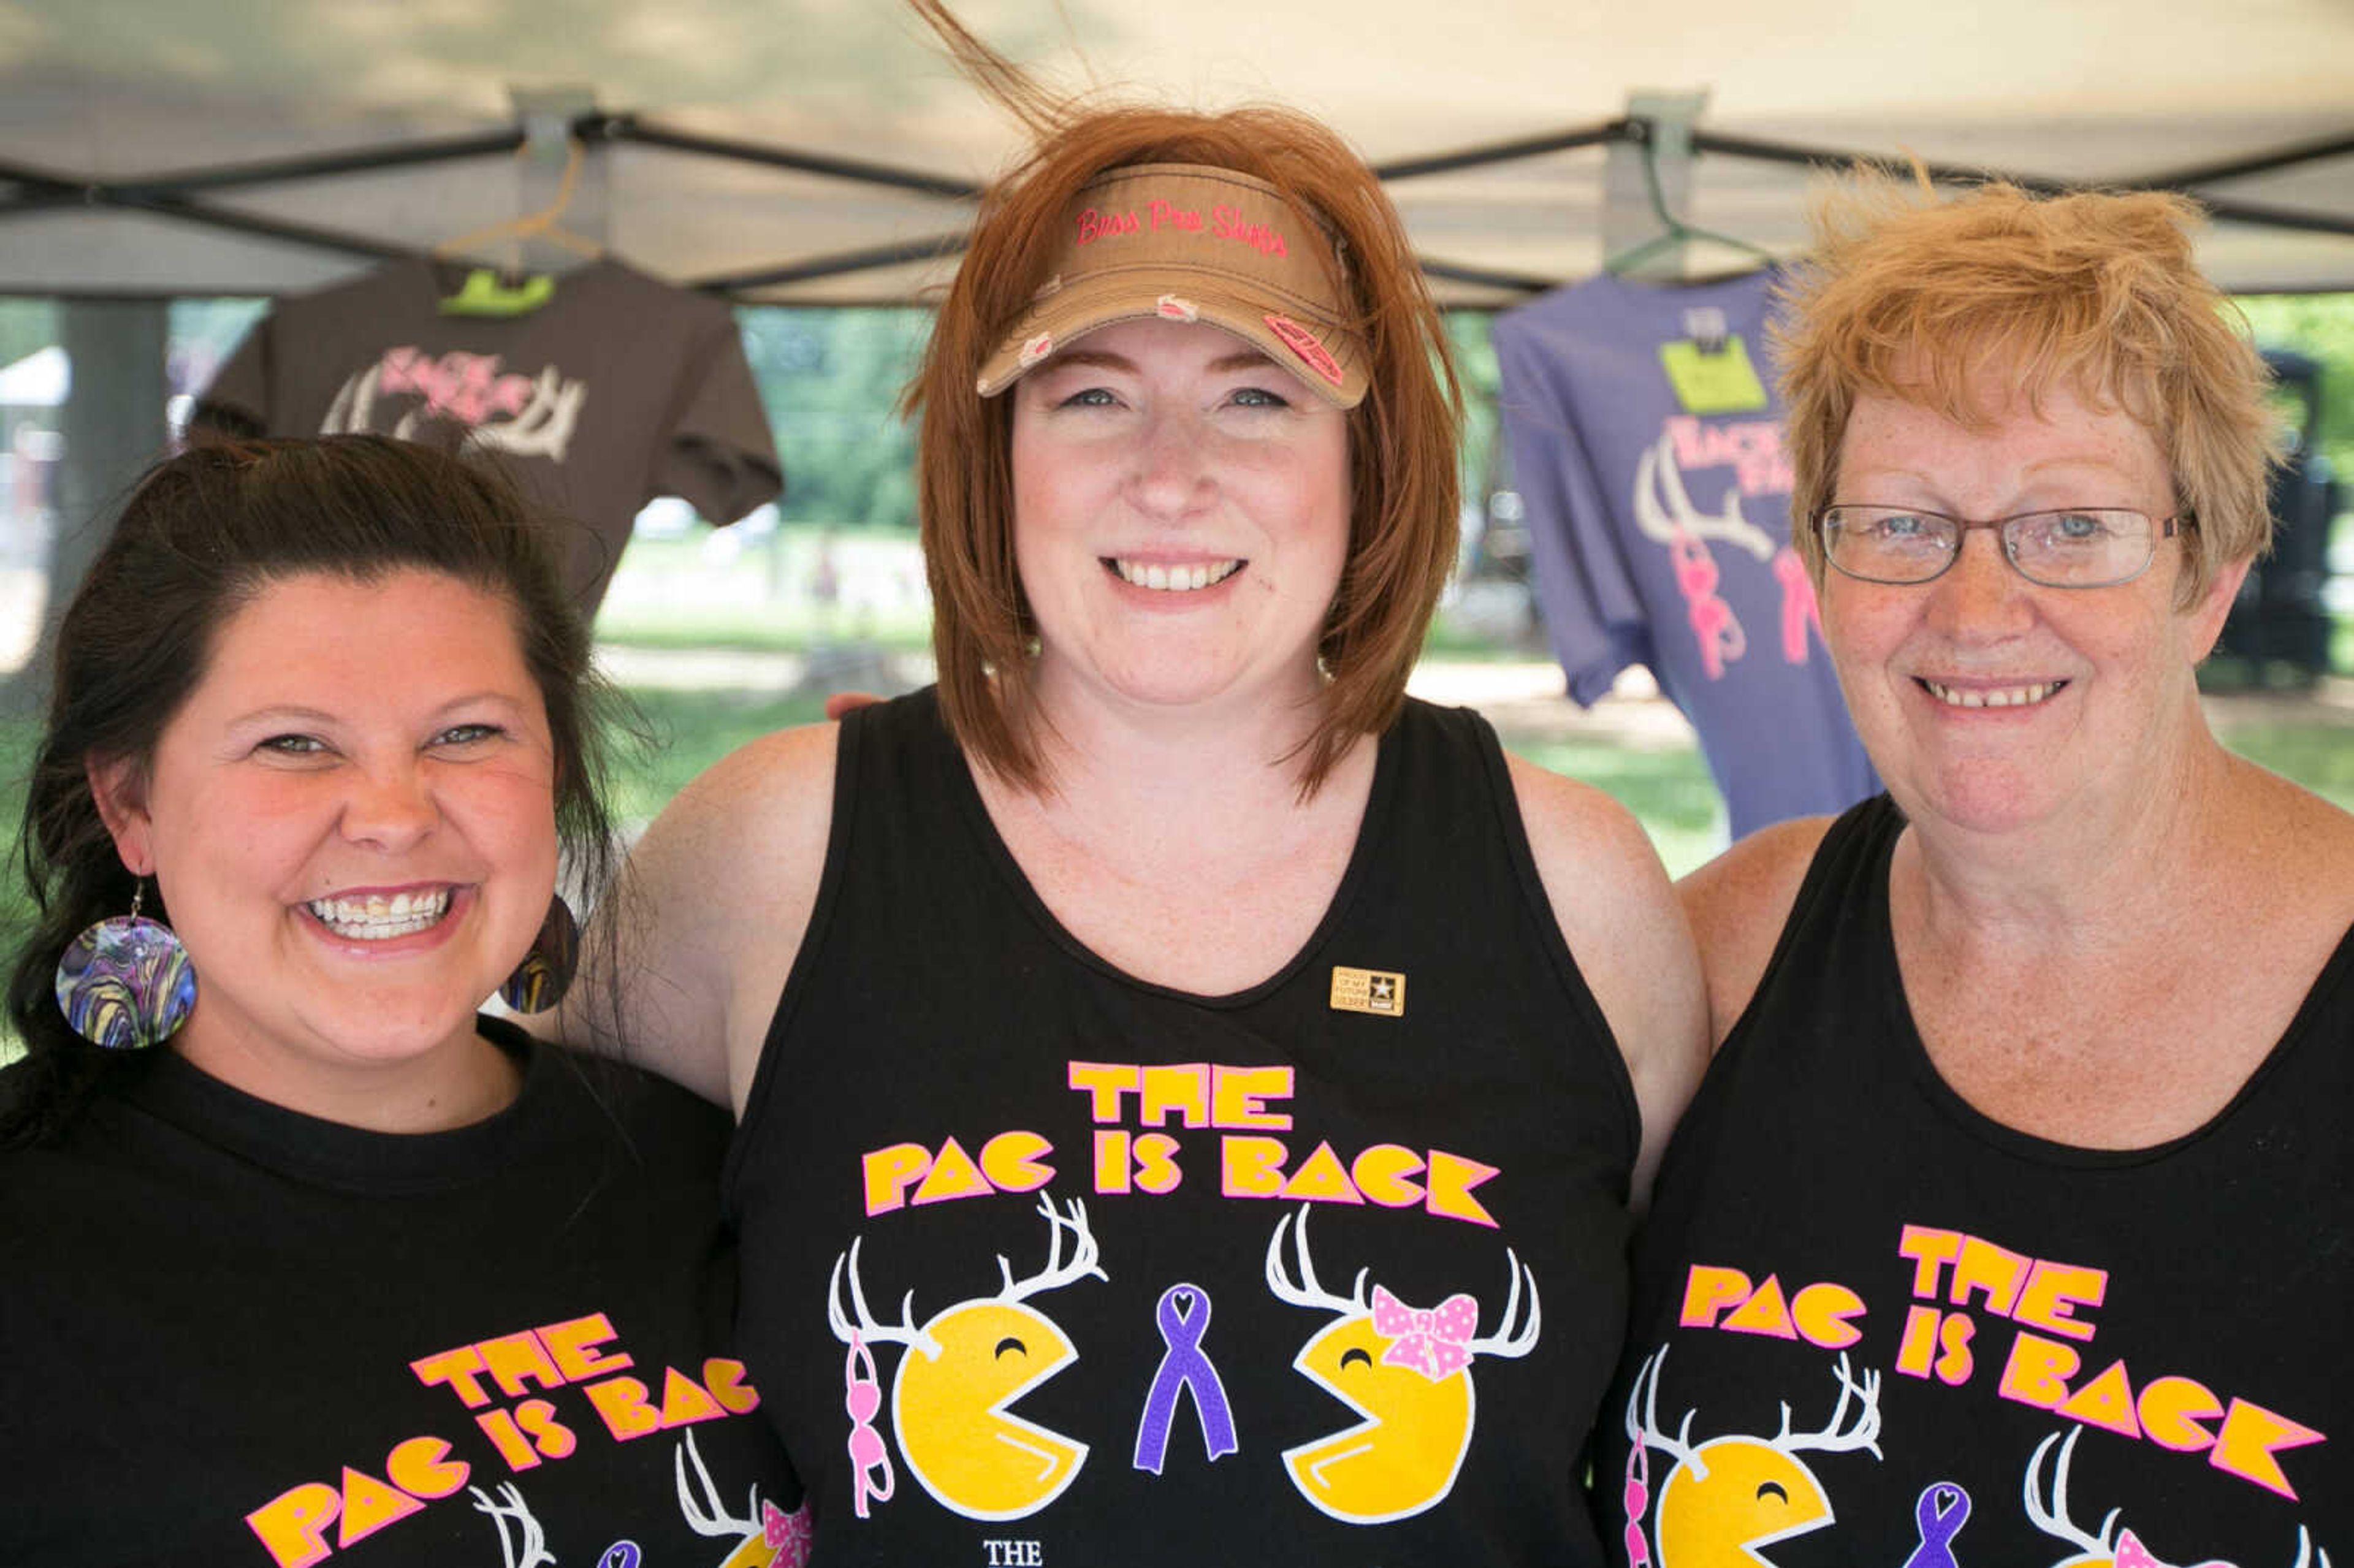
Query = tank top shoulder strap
x=1842 y=901
x=1452 y=761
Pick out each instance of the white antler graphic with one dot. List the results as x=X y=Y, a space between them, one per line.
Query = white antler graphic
x=1663 y=507
x=528 y=1547
x=2051 y=1517
x=1306 y=1292
x=1830 y=1440
x=1056 y=1274
x=1508 y=1340
x=1643 y=1427
x=544 y=426
x=708 y=1515
x=866 y=1327
x=1082 y=1264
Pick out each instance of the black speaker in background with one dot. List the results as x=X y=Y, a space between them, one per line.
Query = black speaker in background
x=2280 y=624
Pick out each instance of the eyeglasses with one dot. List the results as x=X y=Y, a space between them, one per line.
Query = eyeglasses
x=2077 y=548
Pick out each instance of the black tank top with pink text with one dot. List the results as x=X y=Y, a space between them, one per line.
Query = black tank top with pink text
x=1046 y=1264
x=1873 y=1326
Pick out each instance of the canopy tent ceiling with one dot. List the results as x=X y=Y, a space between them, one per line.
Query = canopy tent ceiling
x=111 y=92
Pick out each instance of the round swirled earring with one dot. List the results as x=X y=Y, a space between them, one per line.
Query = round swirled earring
x=126 y=982
x=543 y=977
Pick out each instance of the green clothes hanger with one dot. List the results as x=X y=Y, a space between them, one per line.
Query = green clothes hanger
x=1673 y=231
x=485 y=291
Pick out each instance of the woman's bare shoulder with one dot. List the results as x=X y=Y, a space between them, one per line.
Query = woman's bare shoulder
x=714 y=901
x=1738 y=905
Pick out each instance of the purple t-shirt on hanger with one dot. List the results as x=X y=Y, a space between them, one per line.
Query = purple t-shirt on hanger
x=1647 y=449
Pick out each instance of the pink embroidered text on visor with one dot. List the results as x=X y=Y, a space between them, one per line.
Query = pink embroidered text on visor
x=1221 y=222
x=1307 y=346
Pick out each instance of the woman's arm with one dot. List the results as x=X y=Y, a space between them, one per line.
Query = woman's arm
x=1619 y=916
x=709 y=915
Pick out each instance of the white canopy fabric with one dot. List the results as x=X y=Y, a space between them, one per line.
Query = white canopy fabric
x=116 y=90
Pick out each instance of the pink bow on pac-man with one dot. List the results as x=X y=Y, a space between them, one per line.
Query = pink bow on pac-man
x=2132 y=1553
x=786 y=1534
x=1435 y=1342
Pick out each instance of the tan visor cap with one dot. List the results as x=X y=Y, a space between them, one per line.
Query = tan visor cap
x=1185 y=242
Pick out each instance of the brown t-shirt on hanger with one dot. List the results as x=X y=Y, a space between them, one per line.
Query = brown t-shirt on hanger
x=620 y=389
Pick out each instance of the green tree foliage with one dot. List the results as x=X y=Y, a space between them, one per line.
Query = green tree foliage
x=2321 y=327
x=27 y=325
x=830 y=380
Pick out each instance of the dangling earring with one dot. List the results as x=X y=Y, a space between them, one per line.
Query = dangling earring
x=126 y=982
x=540 y=982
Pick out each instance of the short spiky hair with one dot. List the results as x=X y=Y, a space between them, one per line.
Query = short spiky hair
x=1403 y=488
x=1913 y=297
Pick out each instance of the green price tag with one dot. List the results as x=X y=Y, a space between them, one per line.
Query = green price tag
x=1719 y=383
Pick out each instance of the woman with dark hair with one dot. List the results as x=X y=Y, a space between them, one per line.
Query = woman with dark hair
x=1166 y=957
x=307 y=1259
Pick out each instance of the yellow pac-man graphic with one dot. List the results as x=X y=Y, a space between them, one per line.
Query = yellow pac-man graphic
x=1728 y=1497
x=1736 y=1495
x=1404 y=1456
x=1406 y=1372
x=962 y=1370
x=948 y=1408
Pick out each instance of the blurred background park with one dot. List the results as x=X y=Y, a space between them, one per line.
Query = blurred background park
x=719 y=634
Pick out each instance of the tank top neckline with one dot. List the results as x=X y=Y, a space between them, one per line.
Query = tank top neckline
x=1881 y=930
x=1370 y=825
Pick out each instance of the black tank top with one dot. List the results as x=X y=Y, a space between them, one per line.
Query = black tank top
x=1872 y=1326
x=1046 y=1264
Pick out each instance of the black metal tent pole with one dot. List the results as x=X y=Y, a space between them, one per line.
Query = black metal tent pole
x=277 y=229
x=1503 y=152
x=43 y=182
x=930 y=248
x=164 y=195
x=49 y=190
x=167 y=194
x=1484 y=277
x=630 y=128
x=2225 y=209
x=326 y=165
x=2287 y=157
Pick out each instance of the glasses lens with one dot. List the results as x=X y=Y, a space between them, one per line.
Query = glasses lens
x=1889 y=544
x=2087 y=547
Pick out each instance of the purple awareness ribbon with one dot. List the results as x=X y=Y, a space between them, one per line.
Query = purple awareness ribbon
x=1183 y=1367
x=1942 y=1511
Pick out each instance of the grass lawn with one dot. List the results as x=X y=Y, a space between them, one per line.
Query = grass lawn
x=1669 y=790
x=1666 y=787
x=687 y=732
x=2320 y=758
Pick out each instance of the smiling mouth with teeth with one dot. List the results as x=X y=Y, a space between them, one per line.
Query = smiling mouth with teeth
x=1992 y=696
x=376 y=918
x=1163 y=578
